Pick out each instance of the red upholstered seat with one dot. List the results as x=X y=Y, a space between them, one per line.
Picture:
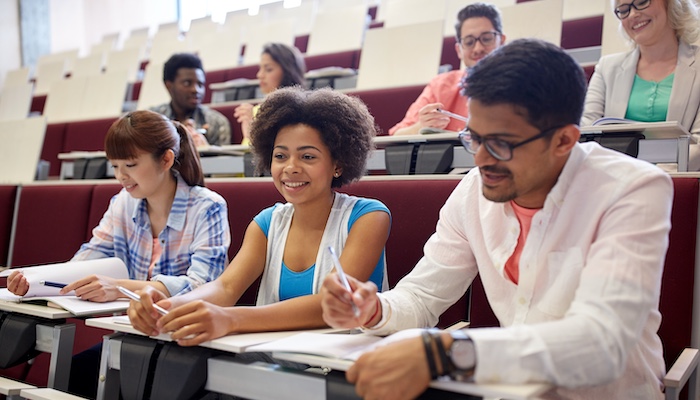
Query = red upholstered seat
x=7 y=207
x=584 y=32
x=213 y=77
x=247 y=72
x=101 y=195
x=677 y=285
x=53 y=146
x=86 y=135
x=51 y=223
x=343 y=59
x=38 y=103
x=227 y=111
x=412 y=223
x=388 y=106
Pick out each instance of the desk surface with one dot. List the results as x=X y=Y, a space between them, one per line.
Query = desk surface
x=35 y=310
x=238 y=343
x=650 y=130
x=235 y=343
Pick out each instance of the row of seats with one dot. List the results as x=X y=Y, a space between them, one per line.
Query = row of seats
x=576 y=33
x=52 y=220
x=388 y=107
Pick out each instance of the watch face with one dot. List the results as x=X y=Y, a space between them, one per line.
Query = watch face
x=463 y=354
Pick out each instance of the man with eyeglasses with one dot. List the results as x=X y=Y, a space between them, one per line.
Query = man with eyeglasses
x=568 y=239
x=478 y=33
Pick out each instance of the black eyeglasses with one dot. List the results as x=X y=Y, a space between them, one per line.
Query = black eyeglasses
x=497 y=148
x=487 y=39
x=623 y=10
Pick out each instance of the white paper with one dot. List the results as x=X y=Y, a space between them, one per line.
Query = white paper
x=340 y=346
x=68 y=272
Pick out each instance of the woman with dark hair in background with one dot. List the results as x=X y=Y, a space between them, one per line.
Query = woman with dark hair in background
x=280 y=66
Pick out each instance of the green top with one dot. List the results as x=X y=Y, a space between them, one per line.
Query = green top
x=649 y=100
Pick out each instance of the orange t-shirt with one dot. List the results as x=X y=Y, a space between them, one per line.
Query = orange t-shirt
x=525 y=218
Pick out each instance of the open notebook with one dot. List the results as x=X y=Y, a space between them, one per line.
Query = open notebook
x=66 y=273
x=337 y=351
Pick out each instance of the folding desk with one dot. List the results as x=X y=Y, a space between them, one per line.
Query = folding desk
x=53 y=336
x=228 y=376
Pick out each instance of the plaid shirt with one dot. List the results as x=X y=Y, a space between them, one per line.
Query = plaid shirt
x=217 y=126
x=195 y=240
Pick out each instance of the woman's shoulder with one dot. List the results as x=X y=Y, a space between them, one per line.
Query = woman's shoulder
x=617 y=58
x=200 y=194
x=362 y=203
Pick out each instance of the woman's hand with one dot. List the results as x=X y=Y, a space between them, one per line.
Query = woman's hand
x=17 y=283
x=95 y=288
x=142 y=315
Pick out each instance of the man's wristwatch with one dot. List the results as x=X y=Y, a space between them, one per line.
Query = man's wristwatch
x=462 y=356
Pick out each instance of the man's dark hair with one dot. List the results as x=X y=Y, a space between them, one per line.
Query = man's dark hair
x=546 y=86
x=478 y=10
x=177 y=61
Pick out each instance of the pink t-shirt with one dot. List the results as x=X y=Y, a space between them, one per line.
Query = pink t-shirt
x=157 y=251
x=444 y=88
x=525 y=218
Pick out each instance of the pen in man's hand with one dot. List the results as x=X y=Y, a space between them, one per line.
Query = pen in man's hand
x=343 y=278
x=133 y=296
x=53 y=284
x=452 y=115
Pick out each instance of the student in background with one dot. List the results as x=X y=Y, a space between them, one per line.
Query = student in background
x=552 y=227
x=312 y=142
x=479 y=32
x=183 y=76
x=280 y=66
x=659 y=80
x=171 y=232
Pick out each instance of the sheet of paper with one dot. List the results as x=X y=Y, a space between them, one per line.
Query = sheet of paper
x=340 y=346
x=68 y=272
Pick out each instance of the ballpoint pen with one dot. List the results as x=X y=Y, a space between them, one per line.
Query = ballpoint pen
x=343 y=278
x=133 y=296
x=452 y=115
x=53 y=284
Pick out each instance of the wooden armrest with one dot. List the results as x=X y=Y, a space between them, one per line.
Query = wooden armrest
x=681 y=370
x=457 y=326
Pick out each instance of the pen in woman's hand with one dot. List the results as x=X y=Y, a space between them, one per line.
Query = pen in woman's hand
x=133 y=296
x=343 y=278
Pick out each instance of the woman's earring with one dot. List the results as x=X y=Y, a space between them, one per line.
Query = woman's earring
x=336 y=174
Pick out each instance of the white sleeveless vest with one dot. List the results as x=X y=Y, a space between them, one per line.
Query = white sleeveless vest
x=335 y=234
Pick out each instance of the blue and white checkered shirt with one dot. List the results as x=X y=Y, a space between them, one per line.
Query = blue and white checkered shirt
x=195 y=240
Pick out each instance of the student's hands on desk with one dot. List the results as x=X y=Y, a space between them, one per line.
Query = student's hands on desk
x=95 y=288
x=395 y=371
x=190 y=323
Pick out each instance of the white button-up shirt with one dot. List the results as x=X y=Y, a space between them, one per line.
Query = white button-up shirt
x=584 y=314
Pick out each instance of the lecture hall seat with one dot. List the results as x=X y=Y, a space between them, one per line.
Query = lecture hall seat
x=8 y=194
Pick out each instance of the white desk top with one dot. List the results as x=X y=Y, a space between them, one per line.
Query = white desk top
x=651 y=130
x=506 y=391
x=238 y=343
x=35 y=310
x=235 y=343
x=228 y=150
